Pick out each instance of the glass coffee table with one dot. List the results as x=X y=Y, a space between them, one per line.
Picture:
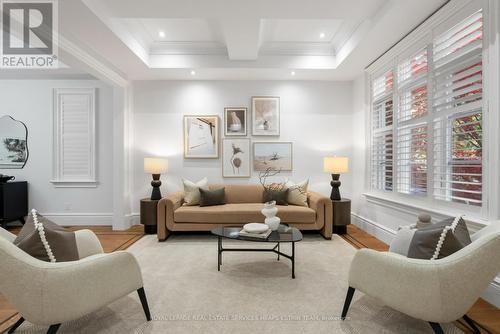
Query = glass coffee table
x=282 y=234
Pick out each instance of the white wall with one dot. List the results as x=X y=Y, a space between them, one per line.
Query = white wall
x=315 y=116
x=30 y=101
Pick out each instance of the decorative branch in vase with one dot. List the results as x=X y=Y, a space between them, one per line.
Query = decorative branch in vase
x=270 y=210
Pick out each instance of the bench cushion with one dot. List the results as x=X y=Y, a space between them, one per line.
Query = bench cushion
x=241 y=213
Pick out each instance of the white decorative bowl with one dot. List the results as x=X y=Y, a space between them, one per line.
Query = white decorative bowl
x=255 y=228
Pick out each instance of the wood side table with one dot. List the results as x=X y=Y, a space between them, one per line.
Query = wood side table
x=148 y=215
x=341 y=215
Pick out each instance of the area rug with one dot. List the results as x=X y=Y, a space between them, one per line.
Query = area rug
x=253 y=293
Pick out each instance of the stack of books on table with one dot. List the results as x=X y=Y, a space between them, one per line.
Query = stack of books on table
x=255 y=231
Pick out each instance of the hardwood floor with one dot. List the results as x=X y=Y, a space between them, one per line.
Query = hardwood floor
x=487 y=316
x=110 y=240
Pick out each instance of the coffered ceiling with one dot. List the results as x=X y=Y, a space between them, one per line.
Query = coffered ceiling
x=238 y=39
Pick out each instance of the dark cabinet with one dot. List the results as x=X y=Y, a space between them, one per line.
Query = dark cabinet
x=13 y=201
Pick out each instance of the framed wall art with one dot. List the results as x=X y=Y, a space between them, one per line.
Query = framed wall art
x=274 y=155
x=235 y=121
x=201 y=136
x=236 y=157
x=265 y=116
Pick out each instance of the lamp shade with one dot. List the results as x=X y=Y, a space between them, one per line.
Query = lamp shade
x=336 y=165
x=155 y=165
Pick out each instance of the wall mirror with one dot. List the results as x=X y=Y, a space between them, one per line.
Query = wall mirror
x=13 y=143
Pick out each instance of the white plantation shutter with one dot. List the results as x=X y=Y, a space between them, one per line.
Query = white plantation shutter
x=74 y=136
x=382 y=161
x=382 y=141
x=412 y=159
x=427 y=114
x=457 y=106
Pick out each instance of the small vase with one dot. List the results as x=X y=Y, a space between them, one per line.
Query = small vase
x=270 y=210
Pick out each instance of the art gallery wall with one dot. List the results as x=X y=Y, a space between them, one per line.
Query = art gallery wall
x=31 y=101
x=315 y=116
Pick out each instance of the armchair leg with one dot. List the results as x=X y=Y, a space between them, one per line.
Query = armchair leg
x=471 y=324
x=16 y=325
x=347 y=303
x=436 y=327
x=144 y=302
x=53 y=329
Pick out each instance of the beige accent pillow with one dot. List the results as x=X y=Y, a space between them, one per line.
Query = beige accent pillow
x=297 y=192
x=192 y=191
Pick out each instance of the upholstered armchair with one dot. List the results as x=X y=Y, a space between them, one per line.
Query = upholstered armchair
x=439 y=291
x=52 y=293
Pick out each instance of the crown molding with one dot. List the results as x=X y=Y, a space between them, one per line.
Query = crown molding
x=187 y=48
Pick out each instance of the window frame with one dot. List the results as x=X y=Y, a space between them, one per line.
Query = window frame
x=452 y=14
x=90 y=179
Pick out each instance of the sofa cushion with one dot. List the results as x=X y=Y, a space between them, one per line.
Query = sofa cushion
x=278 y=196
x=241 y=193
x=212 y=197
x=297 y=192
x=241 y=213
x=192 y=191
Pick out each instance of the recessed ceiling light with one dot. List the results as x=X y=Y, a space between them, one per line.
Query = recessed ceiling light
x=161 y=34
x=322 y=35
x=193 y=72
x=292 y=73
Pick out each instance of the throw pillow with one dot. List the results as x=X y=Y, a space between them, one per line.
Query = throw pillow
x=439 y=240
x=46 y=240
x=297 y=192
x=401 y=242
x=212 y=197
x=192 y=191
x=280 y=196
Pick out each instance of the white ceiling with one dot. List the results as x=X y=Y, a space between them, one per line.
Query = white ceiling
x=239 y=39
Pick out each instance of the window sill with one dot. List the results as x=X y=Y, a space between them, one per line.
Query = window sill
x=439 y=213
x=74 y=183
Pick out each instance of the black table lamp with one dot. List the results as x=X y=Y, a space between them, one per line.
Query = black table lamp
x=155 y=166
x=335 y=166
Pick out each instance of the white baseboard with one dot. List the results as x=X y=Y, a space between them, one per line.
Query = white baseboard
x=377 y=230
x=491 y=294
x=79 y=219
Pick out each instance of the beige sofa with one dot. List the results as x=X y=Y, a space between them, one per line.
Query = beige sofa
x=243 y=205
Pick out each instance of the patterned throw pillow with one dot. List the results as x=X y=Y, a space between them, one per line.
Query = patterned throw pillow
x=439 y=240
x=297 y=192
x=192 y=191
x=46 y=240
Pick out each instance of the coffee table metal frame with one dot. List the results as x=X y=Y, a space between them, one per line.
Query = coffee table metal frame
x=275 y=249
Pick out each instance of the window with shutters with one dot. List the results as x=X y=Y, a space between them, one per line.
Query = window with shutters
x=74 y=137
x=382 y=143
x=427 y=114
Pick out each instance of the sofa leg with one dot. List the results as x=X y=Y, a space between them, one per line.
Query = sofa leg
x=471 y=324
x=53 y=329
x=16 y=325
x=347 y=303
x=144 y=302
x=436 y=327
